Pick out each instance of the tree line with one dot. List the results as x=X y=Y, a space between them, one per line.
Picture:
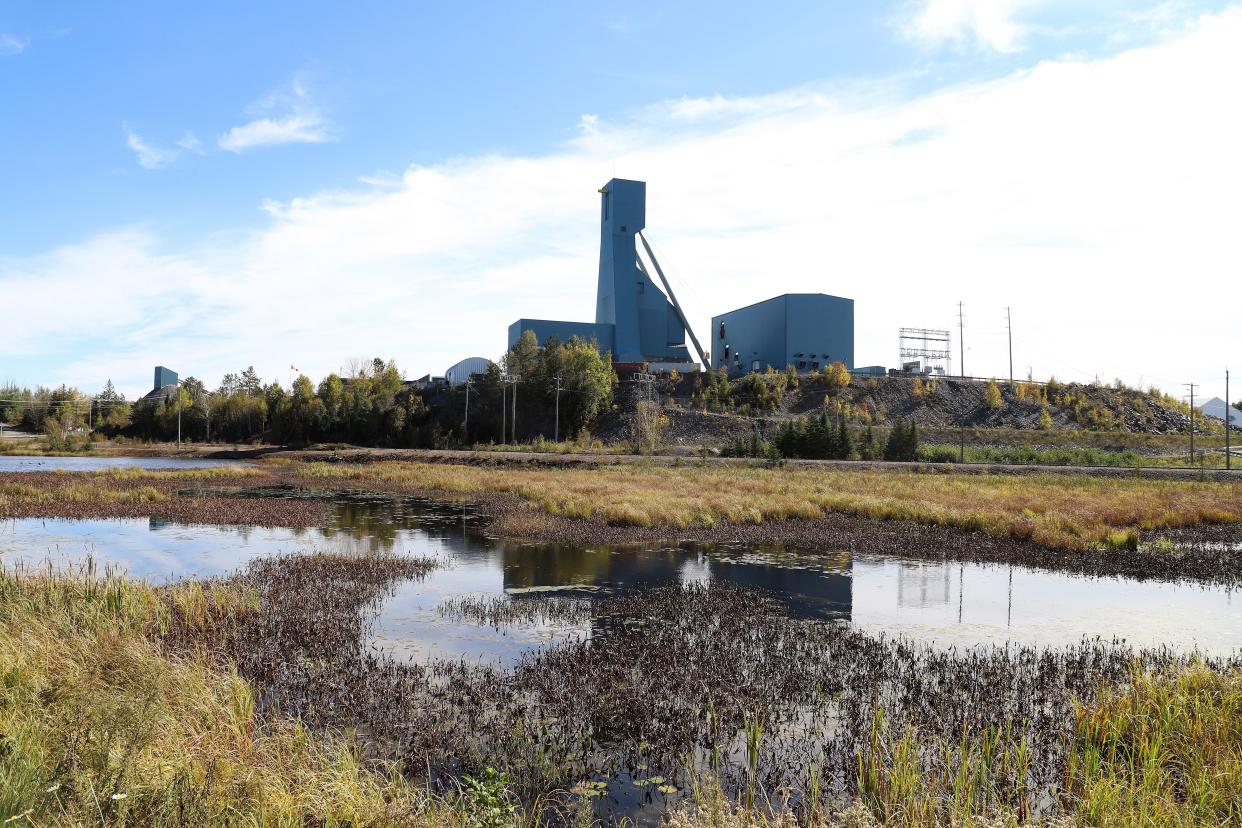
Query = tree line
x=533 y=391
x=825 y=437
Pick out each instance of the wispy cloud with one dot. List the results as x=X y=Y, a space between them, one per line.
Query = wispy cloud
x=989 y=24
x=11 y=45
x=1019 y=191
x=284 y=117
x=190 y=143
x=149 y=156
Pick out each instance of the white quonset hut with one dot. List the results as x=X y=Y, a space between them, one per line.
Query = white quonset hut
x=464 y=370
x=1217 y=408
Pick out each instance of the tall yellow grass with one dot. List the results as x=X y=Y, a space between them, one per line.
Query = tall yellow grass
x=1067 y=512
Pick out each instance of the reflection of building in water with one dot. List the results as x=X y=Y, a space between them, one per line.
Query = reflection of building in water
x=922 y=584
x=812 y=586
x=695 y=569
x=818 y=586
x=566 y=567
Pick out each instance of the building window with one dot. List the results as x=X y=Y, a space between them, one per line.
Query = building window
x=801 y=364
x=722 y=329
x=798 y=355
x=814 y=366
x=812 y=356
x=641 y=287
x=754 y=365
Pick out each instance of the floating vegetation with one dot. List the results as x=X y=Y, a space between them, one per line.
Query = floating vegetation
x=498 y=611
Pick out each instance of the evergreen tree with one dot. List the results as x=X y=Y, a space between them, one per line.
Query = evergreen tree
x=845 y=443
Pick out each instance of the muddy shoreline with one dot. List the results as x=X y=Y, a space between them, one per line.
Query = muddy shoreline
x=483 y=457
x=1195 y=558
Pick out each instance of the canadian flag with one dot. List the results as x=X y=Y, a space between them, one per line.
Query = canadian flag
x=291 y=368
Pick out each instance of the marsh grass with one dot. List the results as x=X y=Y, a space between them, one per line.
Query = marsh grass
x=120 y=485
x=1062 y=512
x=1166 y=750
x=99 y=726
x=1161 y=750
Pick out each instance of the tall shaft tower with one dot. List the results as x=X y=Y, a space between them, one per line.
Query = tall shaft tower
x=647 y=326
x=634 y=319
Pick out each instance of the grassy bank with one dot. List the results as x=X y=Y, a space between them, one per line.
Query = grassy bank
x=103 y=721
x=99 y=725
x=1071 y=513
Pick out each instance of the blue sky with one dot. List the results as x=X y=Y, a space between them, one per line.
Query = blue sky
x=216 y=185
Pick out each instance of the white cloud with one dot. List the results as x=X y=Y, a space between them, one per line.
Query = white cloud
x=284 y=117
x=149 y=156
x=190 y=143
x=1097 y=198
x=11 y=45
x=992 y=24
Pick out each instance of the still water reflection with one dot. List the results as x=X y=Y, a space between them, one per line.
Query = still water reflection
x=80 y=463
x=946 y=603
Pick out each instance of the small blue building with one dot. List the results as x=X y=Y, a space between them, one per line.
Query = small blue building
x=164 y=377
x=806 y=330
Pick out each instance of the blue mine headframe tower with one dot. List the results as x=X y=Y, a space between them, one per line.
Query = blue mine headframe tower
x=634 y=319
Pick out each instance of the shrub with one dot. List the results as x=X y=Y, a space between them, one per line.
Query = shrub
x=836 y=376
x=1045 y=419
x=992 y=396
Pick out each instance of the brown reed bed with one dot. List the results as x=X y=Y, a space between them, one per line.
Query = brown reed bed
x=676 y=682
x=678 y=693
x=500 y=611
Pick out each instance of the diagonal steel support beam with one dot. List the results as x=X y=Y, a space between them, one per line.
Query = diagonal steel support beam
x=685 y=323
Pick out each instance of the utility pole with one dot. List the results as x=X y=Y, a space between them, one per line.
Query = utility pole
x=513 y=419
x=504 y=411
x=1009 y=327
x=1228 y=421
x=177 y=388
x=1191 y=386
x=961 y=343
x=961 y=350
x=466 y=422
x=556 y=435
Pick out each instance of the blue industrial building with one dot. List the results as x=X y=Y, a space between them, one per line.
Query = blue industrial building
x=806 y=330
x=634 y=319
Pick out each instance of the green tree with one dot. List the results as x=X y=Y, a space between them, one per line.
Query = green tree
x=903 y=442
x=250 y=382
x=522 y=360
x=332 y=394
x=845 y=443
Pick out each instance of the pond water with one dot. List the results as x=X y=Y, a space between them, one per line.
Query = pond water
x=948 y=604
x=79 y=463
